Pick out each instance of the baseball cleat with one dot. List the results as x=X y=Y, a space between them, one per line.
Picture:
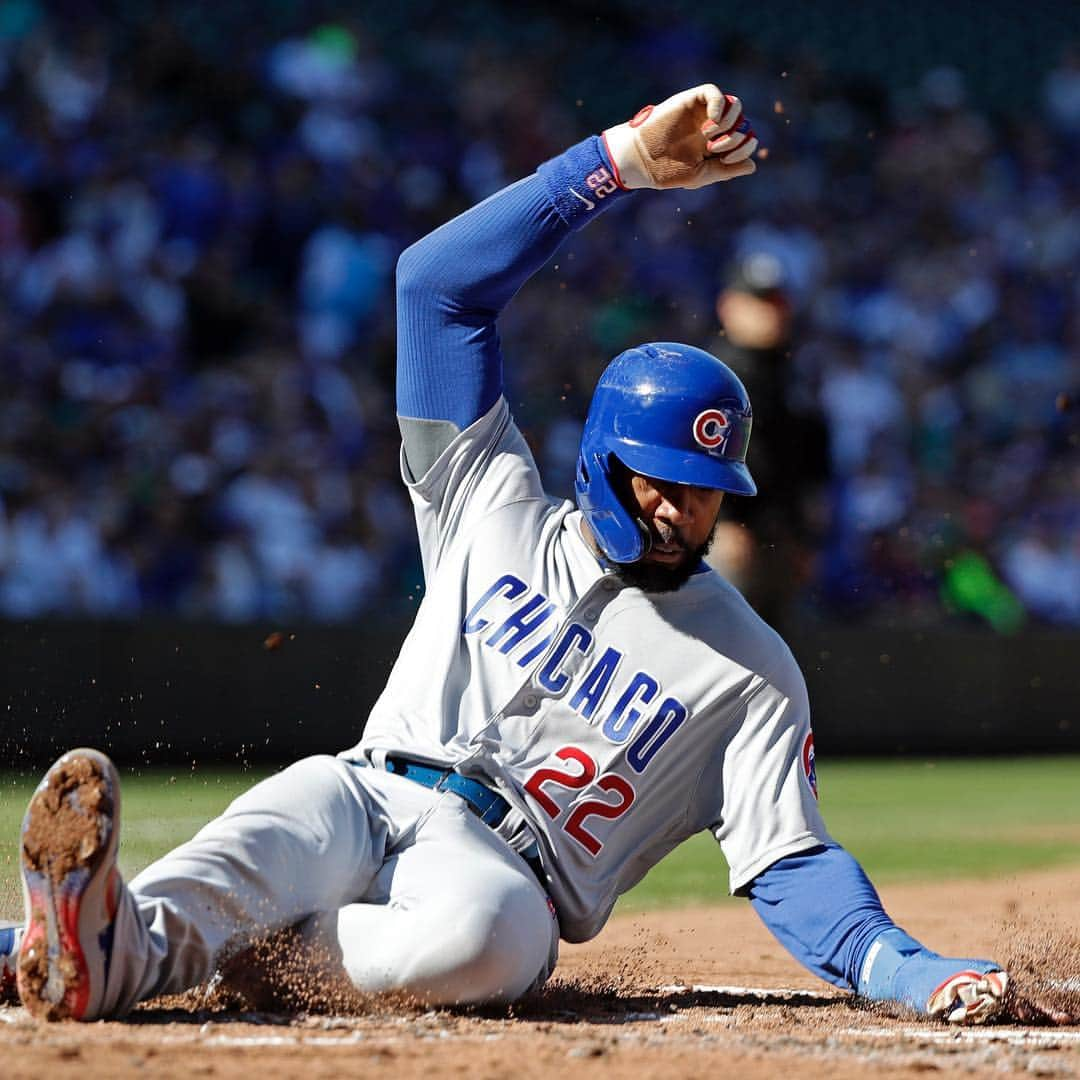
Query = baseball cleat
x=969 y=997
x=70 y=887
x=10 y=936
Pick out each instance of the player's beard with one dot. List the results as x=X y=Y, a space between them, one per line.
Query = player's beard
x=658 y=578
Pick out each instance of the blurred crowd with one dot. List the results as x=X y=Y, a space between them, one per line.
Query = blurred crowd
x=199 y=220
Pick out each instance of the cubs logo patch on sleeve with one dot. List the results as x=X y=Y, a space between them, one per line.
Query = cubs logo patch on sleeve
x=809 y=768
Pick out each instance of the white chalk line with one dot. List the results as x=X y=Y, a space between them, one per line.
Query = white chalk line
x=757 y=993
x=1037 y=1039
x=211 y=1035
x=952 y=1035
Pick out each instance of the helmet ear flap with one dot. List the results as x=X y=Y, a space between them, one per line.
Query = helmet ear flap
x=582 y=479
x=646 y=536
x=622 y=537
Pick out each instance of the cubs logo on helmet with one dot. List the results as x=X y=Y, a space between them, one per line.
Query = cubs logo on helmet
x=711 y=429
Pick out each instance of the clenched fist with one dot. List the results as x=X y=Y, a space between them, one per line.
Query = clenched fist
x=692 y=139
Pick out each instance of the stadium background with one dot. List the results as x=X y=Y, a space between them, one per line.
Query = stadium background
x=204 y=550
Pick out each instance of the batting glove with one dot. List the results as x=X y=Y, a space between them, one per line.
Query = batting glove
x=897 y=968
x=969 y=997
x=692 y=139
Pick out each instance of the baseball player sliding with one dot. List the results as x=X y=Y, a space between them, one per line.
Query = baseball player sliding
x=578 y=695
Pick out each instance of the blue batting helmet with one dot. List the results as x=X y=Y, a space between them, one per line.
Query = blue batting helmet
x=668 y=411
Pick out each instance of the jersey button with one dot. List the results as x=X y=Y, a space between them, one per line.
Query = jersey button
x=530 y=701
x=590 y=615
x=609 y=584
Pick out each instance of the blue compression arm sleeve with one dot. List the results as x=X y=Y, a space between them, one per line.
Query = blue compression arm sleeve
x=452 y=284
x=822 y=908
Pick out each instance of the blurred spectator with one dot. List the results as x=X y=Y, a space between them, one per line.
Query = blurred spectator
x=757 y=311
x=199 y=219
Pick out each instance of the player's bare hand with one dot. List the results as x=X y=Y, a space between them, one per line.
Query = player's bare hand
x=694 y=138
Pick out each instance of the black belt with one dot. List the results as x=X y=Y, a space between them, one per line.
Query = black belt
x=489 y=806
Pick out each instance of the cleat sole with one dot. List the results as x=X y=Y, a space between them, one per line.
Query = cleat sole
x=68 y=854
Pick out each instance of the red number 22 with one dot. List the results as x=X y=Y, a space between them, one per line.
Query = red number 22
x=575 y=824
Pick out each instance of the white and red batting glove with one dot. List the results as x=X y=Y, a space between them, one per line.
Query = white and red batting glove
x=692 y=139
x=969 y=997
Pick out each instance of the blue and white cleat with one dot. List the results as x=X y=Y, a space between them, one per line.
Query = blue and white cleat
x=70 y=888
x=10 y=937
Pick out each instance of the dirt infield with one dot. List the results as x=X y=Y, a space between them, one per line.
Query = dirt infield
x=698 y=992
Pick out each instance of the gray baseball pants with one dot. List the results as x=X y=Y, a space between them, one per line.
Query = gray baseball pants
x=403 y=886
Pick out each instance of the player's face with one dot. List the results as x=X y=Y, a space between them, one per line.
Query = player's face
x=681 y=519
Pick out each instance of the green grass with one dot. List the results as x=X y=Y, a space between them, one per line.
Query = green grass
x=161 y=808
x=915 y=820
x=908 y=820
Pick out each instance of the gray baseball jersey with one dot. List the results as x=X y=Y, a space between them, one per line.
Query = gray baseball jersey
x=616 y=723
